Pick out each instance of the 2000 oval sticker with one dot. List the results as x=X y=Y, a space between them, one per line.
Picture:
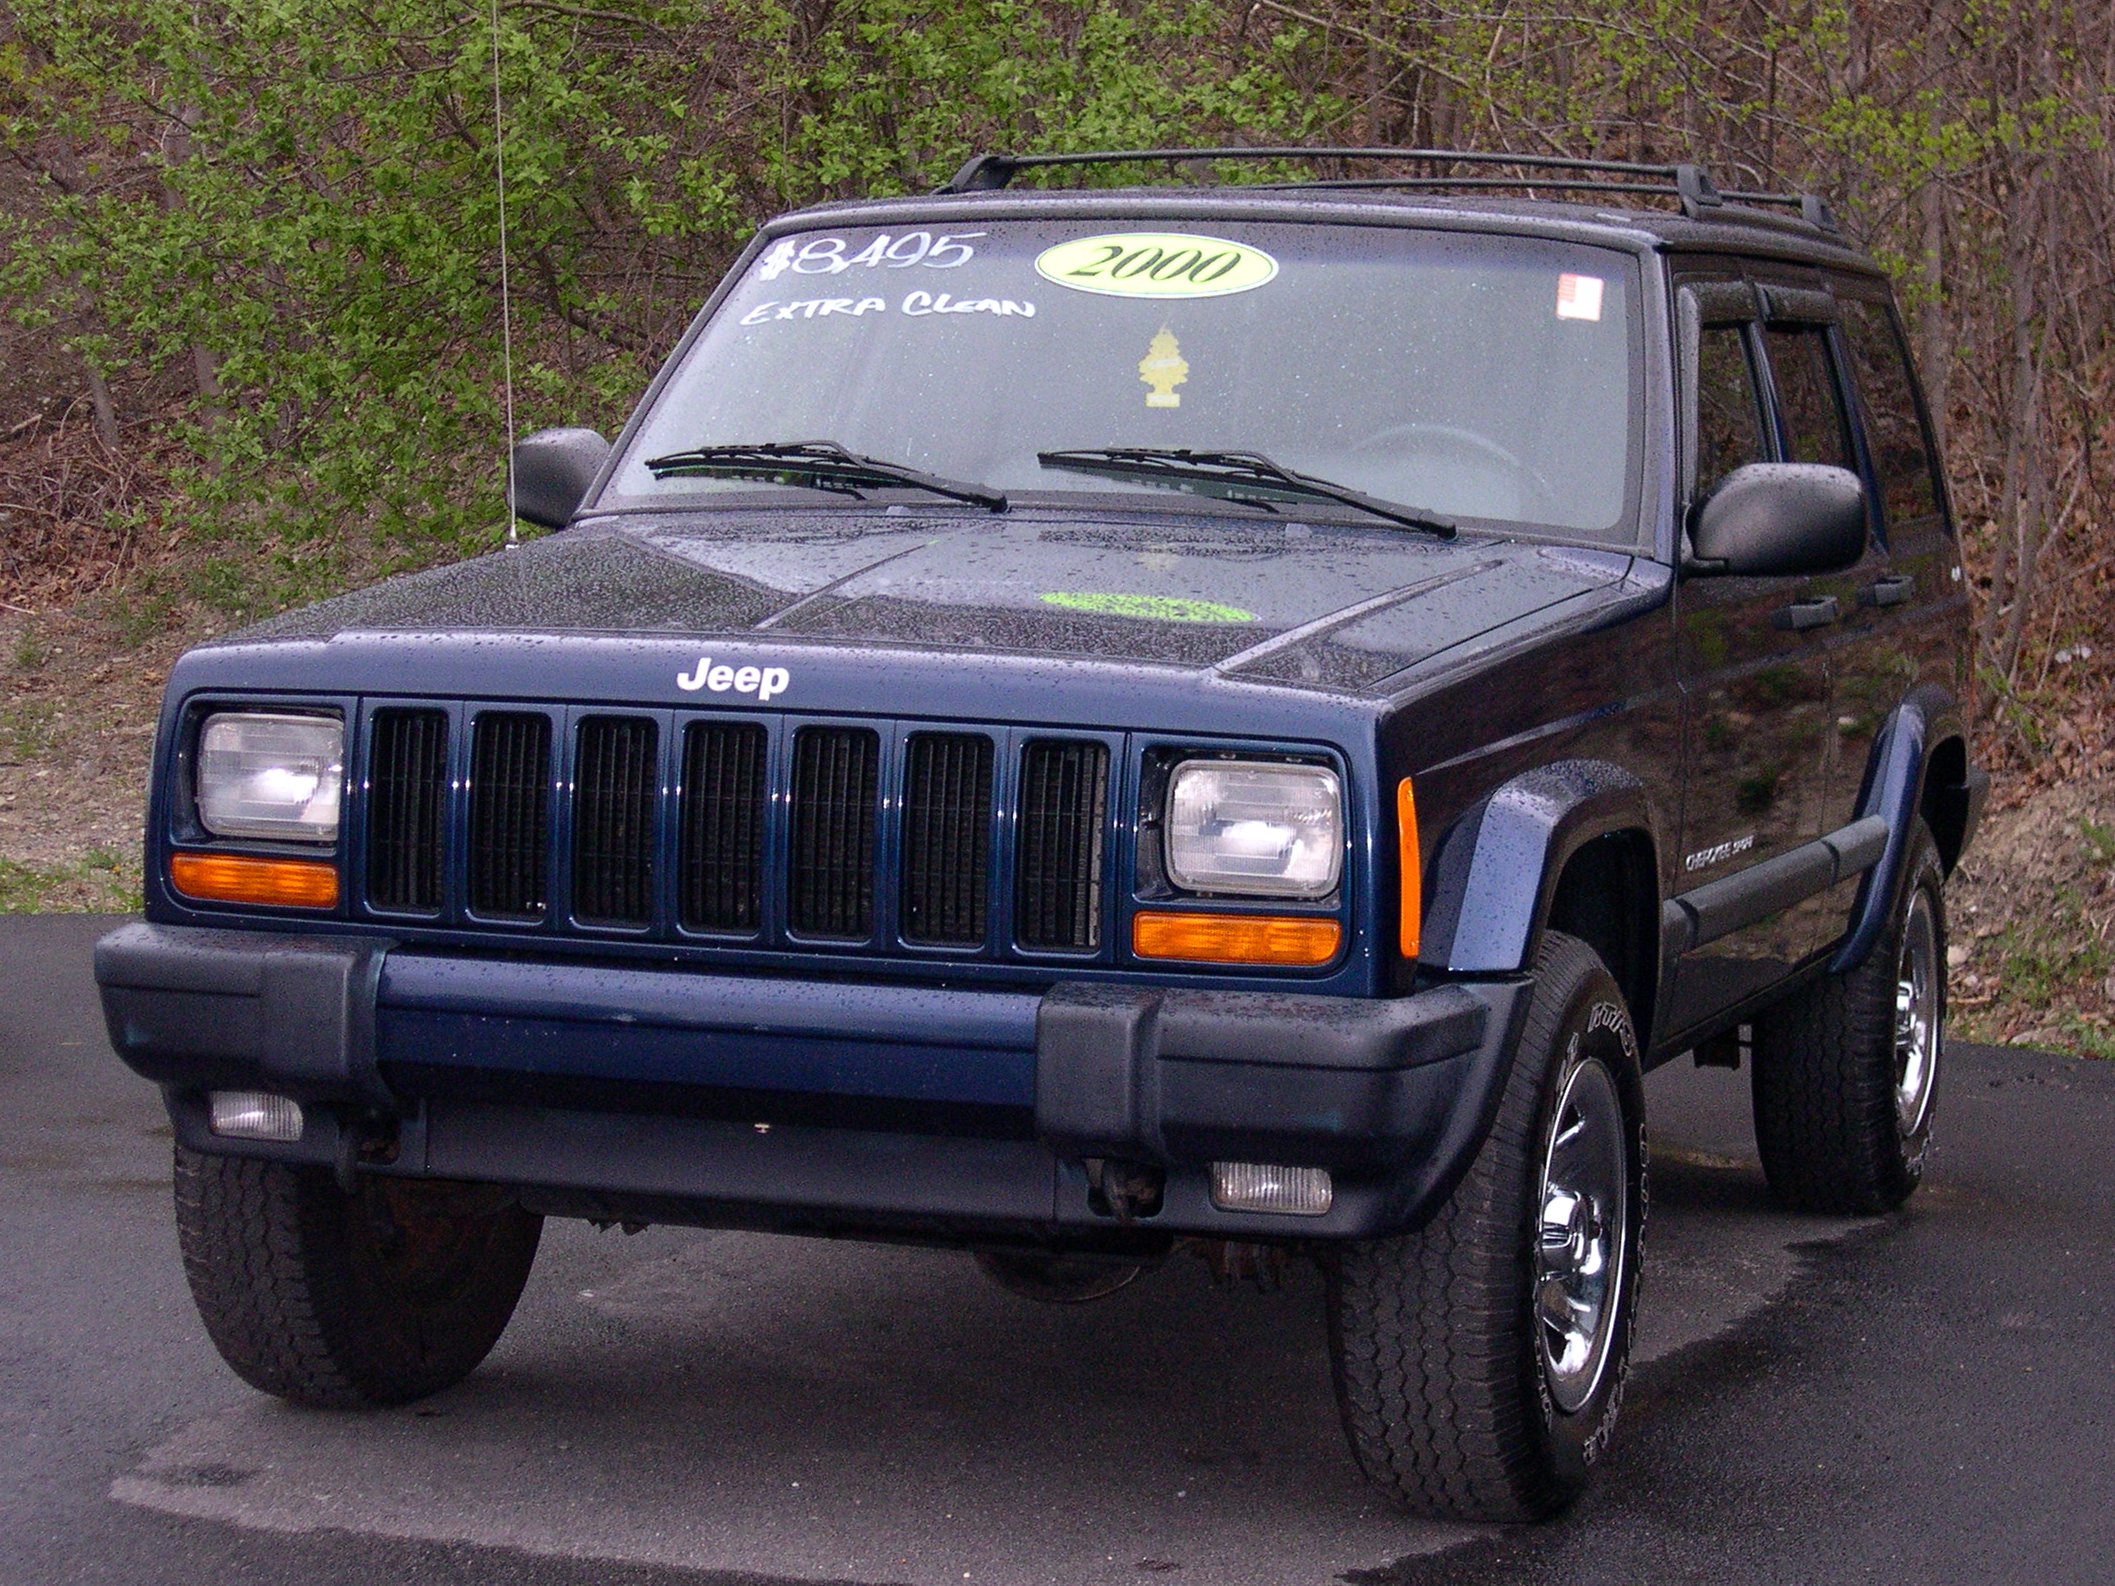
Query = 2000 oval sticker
x=1159 y=264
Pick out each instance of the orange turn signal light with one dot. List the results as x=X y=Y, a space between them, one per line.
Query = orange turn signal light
x=1413 y=878
x=231 y=878
x=1294 y=940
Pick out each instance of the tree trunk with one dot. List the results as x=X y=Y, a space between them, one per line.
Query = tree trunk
x=105 y=410
x=205 y=362
x=1934 y=337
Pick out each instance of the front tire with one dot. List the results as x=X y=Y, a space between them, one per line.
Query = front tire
x=1480 y=1361
x=348 y=1301
x=1847 y=1068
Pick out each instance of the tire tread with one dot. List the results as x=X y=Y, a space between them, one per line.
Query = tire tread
x=269 y=1256
x=1426 y=1330
x=1825 y=1123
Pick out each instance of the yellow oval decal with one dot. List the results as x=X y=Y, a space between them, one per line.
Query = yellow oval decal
x=1156 y=264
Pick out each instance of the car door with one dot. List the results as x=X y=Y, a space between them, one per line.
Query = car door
x=1807 y=338
x=1900 y=600
x=1753 y=658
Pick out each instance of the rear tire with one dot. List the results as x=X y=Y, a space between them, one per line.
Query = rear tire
x=1847 y=1069
x=347 y=1301
x=1480 y=1361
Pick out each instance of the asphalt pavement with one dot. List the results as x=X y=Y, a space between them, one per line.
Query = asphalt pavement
x=1926 y=1396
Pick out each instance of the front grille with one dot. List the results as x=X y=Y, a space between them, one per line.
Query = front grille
x=408 y=787
x=947 y=838
x=1064 y=811
x=510 y=800
x=617 y=788
x=836 y=774
x=768 y=832
x=722 y=819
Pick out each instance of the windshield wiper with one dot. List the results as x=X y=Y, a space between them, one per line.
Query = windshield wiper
x=820 y=465
x=1231 y=476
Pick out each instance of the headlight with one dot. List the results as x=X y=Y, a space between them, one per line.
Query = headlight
x=271 y=776
x=1258 y=828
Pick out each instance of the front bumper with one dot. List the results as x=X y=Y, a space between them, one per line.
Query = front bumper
x=838 y=1107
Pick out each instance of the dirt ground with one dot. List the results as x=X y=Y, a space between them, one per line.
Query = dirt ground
x=2032 y=922
x=2032 y=910
x=77 y=713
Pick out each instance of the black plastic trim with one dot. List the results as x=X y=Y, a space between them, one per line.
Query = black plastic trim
x=239 y=1009
x=1180 y=1075
x=1394 y=1096
x=1978 y=788
x=1719 y=908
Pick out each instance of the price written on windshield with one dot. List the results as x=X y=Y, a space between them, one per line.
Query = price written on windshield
x=833 y=255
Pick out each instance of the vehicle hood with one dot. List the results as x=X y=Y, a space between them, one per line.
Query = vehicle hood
x=1330 y=606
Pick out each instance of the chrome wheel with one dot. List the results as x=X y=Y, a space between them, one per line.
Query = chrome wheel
x=1585 y=1216
x=1917 y=1016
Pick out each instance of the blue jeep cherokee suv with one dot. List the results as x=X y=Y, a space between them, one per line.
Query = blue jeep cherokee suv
x=1072 y=722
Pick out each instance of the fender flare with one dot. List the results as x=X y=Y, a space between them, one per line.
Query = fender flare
x=1894 y=790
x=1497 y=867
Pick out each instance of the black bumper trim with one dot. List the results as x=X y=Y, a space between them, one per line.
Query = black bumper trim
x=1393 y=1096
x=244 y=1009
x=1202 y=1075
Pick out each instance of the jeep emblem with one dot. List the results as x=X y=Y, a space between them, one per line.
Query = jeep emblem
x=762 y=681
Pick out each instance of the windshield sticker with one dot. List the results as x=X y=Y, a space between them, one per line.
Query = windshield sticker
x=1579 y=297
x=1155 y=608
x=1156 y=264
x=1163 y=369
x=827 y=255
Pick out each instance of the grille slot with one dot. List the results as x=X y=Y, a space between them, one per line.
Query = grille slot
x=510 y=800
x=722 y=818
x=947 y=838
x=835 y=779
x=1064 y=813
x=407 y=792
x=617 y=786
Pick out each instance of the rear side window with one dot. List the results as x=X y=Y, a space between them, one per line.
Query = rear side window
x=1807 y=404
x=1729 y=428
x=1893 y=431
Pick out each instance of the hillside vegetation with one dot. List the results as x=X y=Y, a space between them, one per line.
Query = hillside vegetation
x=250 y=262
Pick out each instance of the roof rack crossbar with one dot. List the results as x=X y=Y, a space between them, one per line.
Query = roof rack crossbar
x=1812 y=207
x=987 y=173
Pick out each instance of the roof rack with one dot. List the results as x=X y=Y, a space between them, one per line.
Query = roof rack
x=1812 y=207
x=1690 y=184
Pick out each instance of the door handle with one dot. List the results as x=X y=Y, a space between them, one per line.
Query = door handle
x=1804 y=614
x=1887 y=591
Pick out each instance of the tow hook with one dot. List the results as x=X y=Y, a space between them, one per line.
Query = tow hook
x=1126 y=1191
x=371 y=1139
x=1234 y=1261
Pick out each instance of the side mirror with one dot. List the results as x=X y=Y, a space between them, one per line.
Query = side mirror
x=1778 y=519
x=552 y=472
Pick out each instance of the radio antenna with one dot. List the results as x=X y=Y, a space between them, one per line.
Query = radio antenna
x=506 y=300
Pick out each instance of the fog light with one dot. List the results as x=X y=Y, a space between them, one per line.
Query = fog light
x=253 y=1115
x=1262 y=1187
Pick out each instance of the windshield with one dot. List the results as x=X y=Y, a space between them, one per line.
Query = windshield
x=1483 y=378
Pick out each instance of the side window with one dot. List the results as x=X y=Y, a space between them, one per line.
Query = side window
x=1893 y=432
x=1807 y=403
x=1729 y=428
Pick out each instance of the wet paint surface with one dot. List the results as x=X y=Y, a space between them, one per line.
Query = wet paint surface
x=1187 y=591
